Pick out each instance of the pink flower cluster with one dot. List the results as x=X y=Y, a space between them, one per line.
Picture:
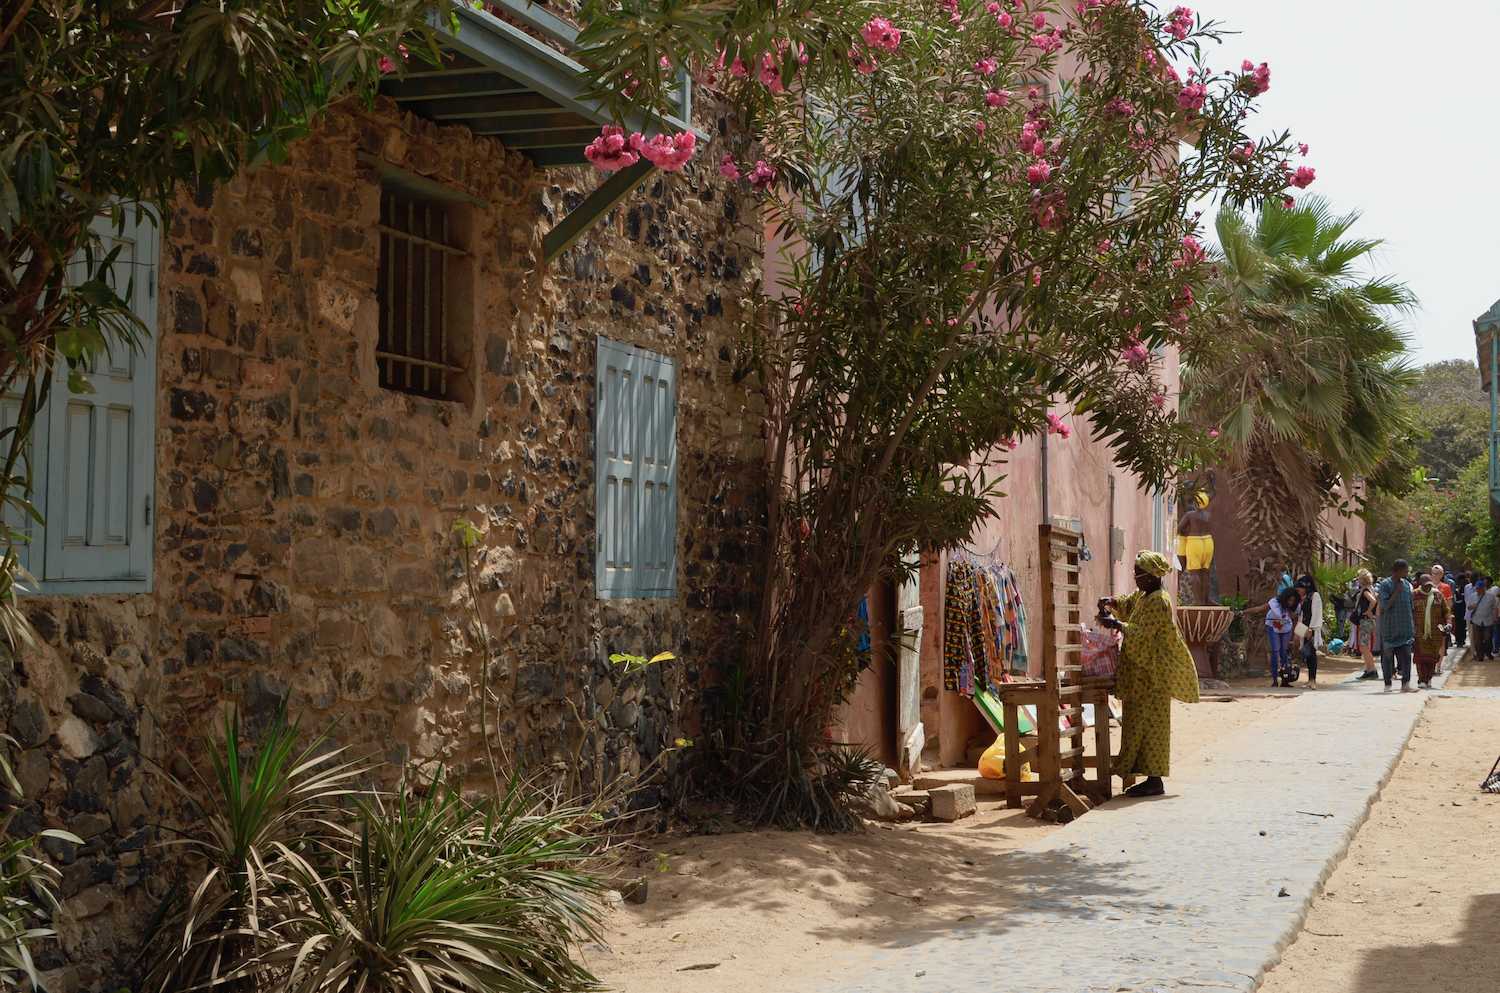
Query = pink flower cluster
x=1158 y=400
x=1030 y=141
x=727 y=167
x=881 y=33
x=770 y=73
x=1049 y=42
x=1244 y=153
x=997 y=98
x=1192 y=95
x=1259 y=80
x=1056 y=426
x=1181 y=23
x=1305 y=176
x=1192 y=253
x=1136 y=356
x=614 y=150
x=762 y=176
x=1119 y=108
x=386 y=65
x=951 y=6
x=985 y=67
x=1038 y=173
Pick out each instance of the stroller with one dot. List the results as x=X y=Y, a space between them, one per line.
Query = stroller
x=1491 y=782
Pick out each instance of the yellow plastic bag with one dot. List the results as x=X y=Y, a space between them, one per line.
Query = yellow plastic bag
x=992 y=763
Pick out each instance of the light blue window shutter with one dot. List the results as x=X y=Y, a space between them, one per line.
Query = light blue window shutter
x=99 y=462
x=658 y=545
x=616 y=462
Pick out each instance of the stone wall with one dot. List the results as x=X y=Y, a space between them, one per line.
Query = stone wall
x=304 y=545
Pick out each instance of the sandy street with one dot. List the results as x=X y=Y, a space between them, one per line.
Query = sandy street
x=767 y=909
x=1416 y=904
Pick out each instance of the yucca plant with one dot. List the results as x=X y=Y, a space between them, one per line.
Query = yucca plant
x=26 y=897
x=439 y=894
x=259 y=818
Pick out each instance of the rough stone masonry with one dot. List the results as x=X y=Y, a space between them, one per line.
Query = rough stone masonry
x=304 y=539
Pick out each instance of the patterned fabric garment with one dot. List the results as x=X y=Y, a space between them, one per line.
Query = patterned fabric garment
x=960 y=616
x=1396 y=628
x=1428 y=623
x=1155 y=667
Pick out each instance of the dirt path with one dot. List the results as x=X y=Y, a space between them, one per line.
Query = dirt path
x=1416 y=903
x=770 y=907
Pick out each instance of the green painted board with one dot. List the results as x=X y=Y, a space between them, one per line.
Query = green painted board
x=994 y=711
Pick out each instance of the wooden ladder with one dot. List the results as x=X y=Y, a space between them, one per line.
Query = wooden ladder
x=1056 y=753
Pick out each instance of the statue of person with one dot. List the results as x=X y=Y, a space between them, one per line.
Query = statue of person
x=1195 y=545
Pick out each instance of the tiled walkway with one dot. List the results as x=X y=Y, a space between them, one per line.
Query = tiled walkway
x=1198 y=890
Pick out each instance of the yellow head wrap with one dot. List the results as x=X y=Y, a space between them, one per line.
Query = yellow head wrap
x=1152 y=562
x=1201 y=499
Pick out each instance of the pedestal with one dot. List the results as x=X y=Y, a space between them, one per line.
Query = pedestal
x=1202 y=627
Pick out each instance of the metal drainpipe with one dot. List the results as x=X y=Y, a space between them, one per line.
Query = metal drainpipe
x=1046 y=513
x=1110 y=559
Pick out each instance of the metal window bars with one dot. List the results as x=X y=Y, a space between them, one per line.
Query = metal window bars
x=412 y=289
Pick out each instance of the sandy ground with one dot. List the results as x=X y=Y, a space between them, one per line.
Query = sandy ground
x=768 y=909
x=1416 y=904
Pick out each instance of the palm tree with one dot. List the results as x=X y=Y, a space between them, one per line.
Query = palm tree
x=1307 y=382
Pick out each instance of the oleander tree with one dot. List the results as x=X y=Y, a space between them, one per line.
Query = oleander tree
x=982 y=213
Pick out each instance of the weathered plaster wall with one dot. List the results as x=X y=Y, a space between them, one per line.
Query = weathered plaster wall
x=305 y=549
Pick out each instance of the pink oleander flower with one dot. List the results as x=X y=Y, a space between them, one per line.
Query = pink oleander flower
x=1048 y=43
x=1009 y=444
x=1119 y=108
x=1213 y=434
x=1287 y=203
x=1038 y=173
x=1004 y=20
x=762 y=176
x=1104 y=246
x=1039 y=21
x=1259 y=80
x=737 y=68
x=992 y=8
x=770 y=73
x=728 y=168
x=1244 y=153
x=1136 y=356
x=669 y=153
x=1057 y=427
x=1158 y=400
x=1305 y=176
x=881 y=33
x=863 y=61
x=1187 y=298
x=1247 y=66
x=1192 y=252
x=979 y=126
x=997 y=98
x=1170 y=74
x=1191 y=97
x=1181 y=23
x=386 y=65
x=985 y=67
x=1302 y=147
x=613 y=150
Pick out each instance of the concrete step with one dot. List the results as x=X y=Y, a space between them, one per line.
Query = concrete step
x=948 y=777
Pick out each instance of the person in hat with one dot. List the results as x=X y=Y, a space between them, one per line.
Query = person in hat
x=1429 y=616
x=1155 y=667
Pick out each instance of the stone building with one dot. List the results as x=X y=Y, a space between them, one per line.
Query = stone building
x=428 y=312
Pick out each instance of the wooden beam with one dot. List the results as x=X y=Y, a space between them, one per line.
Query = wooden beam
x=591 y=211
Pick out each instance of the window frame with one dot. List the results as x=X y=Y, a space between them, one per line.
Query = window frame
x=635 y=455
x=46 y=556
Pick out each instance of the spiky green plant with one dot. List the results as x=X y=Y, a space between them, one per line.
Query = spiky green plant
x=439 y=894
x=26 y=897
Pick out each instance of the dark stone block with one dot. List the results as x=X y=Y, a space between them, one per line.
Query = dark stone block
x=342 y=519
x=135 y=842
x=496 y=355
x=534 y=684
x=74 y=878
x=28 y=723
x=62 y=852
x=643 y=274
x=205 y=496
x=44 y=624
x=302 y=484
x=200 y=648
x=263 y=695
x=715 y=305
x=188 y=311
x=90 y=708
x=246 y=242
x=622 y=296
x=244 y=650
x=192 y=405
x=380 y=428
x=100 y=690
x=384 y=522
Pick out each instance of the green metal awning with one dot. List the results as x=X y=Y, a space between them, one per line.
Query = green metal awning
x=500 y=81
x=1486 y=326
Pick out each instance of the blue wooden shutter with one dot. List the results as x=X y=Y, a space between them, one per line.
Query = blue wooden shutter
x=95 y=464
x=635 y=473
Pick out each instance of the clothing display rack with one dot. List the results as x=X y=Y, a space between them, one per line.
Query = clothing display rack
x=1056 y=753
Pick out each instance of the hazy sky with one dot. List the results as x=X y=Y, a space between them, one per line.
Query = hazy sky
x=1402 y=112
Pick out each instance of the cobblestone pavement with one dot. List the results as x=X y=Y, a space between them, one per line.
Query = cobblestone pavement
x=1199 y=890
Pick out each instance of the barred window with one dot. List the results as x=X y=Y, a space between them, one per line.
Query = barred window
x=418 y=351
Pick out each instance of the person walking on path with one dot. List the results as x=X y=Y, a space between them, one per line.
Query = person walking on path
x=1155 y=667
x=1463 y=586
x=1482 y=620
x=1339 y=600
x=1365 y=617
x=1282 y=613
x=1441 y=584
x=1312 y=616
x=1429 y=616
x=1396 y=629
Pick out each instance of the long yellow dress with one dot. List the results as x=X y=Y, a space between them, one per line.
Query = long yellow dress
x=1155 y=667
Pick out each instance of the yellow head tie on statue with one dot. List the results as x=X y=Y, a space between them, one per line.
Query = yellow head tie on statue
x=1152 y=562
x=1200 y=499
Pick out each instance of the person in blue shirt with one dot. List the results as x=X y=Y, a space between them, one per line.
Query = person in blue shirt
x=1397 y=632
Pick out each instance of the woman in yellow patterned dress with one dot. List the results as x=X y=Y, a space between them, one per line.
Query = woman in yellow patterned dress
x=1155 y=666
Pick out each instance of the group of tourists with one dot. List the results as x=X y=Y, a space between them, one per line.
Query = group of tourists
x=1400 y=622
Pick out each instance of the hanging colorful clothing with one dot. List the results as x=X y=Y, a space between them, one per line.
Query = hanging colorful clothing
x=1155 y=667
x=960 y=624
x=984 y=627
x=1429 y=612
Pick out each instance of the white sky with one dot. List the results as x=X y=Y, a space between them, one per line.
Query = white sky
x=1400 y=103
